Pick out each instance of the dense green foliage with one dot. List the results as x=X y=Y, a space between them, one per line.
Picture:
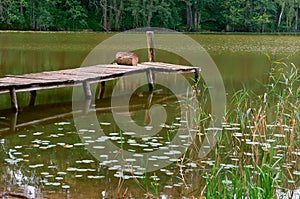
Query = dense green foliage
x=182 y=15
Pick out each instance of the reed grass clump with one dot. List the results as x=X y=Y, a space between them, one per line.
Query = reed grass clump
x=257 y=152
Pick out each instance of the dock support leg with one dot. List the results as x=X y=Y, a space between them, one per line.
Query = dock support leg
x=87 y=90
x=14 y=100
x=13 y=123
x=197 y=73
x=87 y=106
x=32 y=98
x=150 y=77
x=101 y=89
x=147 y=118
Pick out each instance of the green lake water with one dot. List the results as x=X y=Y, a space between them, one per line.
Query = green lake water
x=46 y=156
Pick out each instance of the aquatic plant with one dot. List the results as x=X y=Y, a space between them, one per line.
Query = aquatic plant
x=261 y=128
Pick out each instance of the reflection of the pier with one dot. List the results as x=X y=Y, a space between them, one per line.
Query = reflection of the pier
x=45 y=114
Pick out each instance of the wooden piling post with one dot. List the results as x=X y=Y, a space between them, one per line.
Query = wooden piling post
x=197 y=74
x=87 y=90
x=150 y=45
x=14 y=120
x=100 y=90
x=14 y=100
x=150 y=77
x=32 y=98
x=151 y=57
x=87 y=106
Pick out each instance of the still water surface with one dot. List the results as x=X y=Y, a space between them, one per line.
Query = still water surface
x=45 y=157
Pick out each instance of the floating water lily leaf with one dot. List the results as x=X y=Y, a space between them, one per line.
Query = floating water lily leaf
x=105 y=123
x=38 y=133
x=98 y=147
x=85 y=161
x=296 y=153
x=129 y=133
x=68 y=146
x=148 y=150
x=279 y=135
x=65 y=186
x=96 y=177
x=36 y=165
x=148 y=128
x=56 y=183
x=62 y=123
x=79 y=144
x=22 y=136
x=297 y=173
x=13 y=161
x=130 y=160
x=71 y=169
x=54 y=135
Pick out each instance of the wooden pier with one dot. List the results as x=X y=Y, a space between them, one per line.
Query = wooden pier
x=83 y=76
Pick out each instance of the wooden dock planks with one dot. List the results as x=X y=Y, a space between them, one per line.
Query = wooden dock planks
x=83 y=76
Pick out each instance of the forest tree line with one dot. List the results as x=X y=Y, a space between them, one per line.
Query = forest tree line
x=180 y=15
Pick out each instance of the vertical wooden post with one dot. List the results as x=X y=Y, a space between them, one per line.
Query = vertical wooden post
x=14 y=100
x=87 y=90
x=150 y=45
x=87 y=106
x=102 y=89
x=197 y=73
x=147 y=118
x=150 y=78
x=151 y=57
x=32 y=98
x=14 y=120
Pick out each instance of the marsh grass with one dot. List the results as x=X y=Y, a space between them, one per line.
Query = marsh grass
x=257 y=150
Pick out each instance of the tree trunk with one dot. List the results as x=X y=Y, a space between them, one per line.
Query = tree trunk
x=110 y=16
x=189 y=15
x=118 y=13
x=227 y=27
x=149 y=17
x=296 y=18
x=195 y=24
x=280 y=17
x=105 y=15
x=199 y=20
x=263 y=27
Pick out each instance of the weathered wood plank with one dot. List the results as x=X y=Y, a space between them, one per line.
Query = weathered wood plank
x=166 y=65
